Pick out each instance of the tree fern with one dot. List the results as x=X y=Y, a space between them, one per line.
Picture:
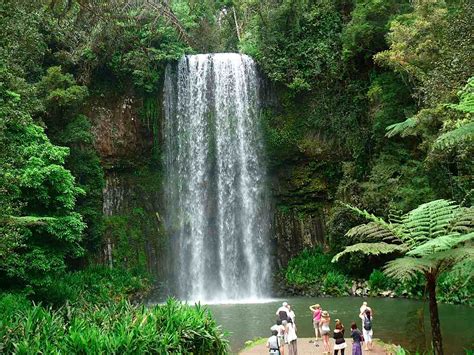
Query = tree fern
x=428 y=221
x=445 y=242
x=466 y=98
x=406 y=268
x=461 y=135
x=403 y=129
x=380 y=248
x=371 y=232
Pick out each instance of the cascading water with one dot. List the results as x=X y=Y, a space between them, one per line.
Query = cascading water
x=216 y=201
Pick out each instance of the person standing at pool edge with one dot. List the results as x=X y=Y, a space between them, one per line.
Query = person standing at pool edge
x=339 y=341
x=282 y=312
x=273 y=343
x=291 y=338
x=316 y=309
x=356 y=338
x=367 y=328
x=325 y=330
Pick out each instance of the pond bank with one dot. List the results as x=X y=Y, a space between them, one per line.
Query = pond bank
x=306 y=346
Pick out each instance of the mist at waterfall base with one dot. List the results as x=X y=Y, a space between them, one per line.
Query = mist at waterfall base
x=216 y=203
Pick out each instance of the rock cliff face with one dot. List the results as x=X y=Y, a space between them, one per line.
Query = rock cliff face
x=294 y=232
x=121 y=138
x=133 y=235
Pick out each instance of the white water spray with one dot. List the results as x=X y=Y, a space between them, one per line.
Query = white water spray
x=216 y=201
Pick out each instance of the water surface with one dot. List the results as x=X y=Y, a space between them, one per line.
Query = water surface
x=399 y=321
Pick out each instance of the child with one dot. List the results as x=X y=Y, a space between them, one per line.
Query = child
x=273 y=344
x=357 y=338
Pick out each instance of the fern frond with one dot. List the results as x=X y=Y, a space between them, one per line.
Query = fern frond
x=371 y=217
x=460 y=135
x=445 y=242
x=465 y=221
x=370 y=249
x=456 y=255
x=370 y=232
x=405 y=268
x=403 y=129
x=428 y=221
x=466 y=98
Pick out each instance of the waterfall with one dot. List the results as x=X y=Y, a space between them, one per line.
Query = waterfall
x=215 y=195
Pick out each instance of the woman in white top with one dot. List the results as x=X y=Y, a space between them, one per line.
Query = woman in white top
x=366 y=317
x=325 y=330
x=291 y=337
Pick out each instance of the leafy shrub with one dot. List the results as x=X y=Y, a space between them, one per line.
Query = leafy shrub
x=310 y=266
x=335 y=284
x=312 y=269
x=378 y=281
x=456 y=287
x=111 y=328
x=94 y=285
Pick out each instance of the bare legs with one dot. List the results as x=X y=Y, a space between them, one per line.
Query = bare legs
x=326 y=346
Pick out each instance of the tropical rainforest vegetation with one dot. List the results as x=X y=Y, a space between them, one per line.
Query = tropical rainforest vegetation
x=375 y=102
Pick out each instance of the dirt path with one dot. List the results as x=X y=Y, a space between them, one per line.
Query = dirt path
x=306 y=347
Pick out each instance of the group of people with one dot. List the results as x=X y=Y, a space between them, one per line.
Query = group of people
x=284 y=331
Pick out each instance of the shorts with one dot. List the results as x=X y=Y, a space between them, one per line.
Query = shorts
x=315 y=323
x=367 y=334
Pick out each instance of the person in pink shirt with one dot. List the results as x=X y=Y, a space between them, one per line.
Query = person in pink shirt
x=316 y=309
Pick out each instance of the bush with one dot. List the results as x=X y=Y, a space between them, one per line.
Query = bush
x=456 y=287
x=94 y=285
x=308 y=267
x=312 y=270
x=335 y=284
x=111 y=328
x=378 y=281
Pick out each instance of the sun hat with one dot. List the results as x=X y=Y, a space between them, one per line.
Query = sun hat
x=285 y=304
x=317 y=305
x=325 y=314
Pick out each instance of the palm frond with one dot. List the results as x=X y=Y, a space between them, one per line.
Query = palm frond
x=370 y=249
x=403 y=129
x=405 y=268
x=445 y=242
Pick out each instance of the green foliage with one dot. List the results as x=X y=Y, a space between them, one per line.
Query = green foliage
x=431 y=237
x=312 y=268
x=378 y=281
x=110 y=328
x=94 y=285
x=365 y=34
x=335 y=284
x=297 y=42
x=35 y=185
x=60 y=90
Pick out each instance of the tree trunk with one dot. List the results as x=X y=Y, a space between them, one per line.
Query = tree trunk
x=434 y=317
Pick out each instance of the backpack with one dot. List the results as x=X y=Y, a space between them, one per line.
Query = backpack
x=367 y=323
